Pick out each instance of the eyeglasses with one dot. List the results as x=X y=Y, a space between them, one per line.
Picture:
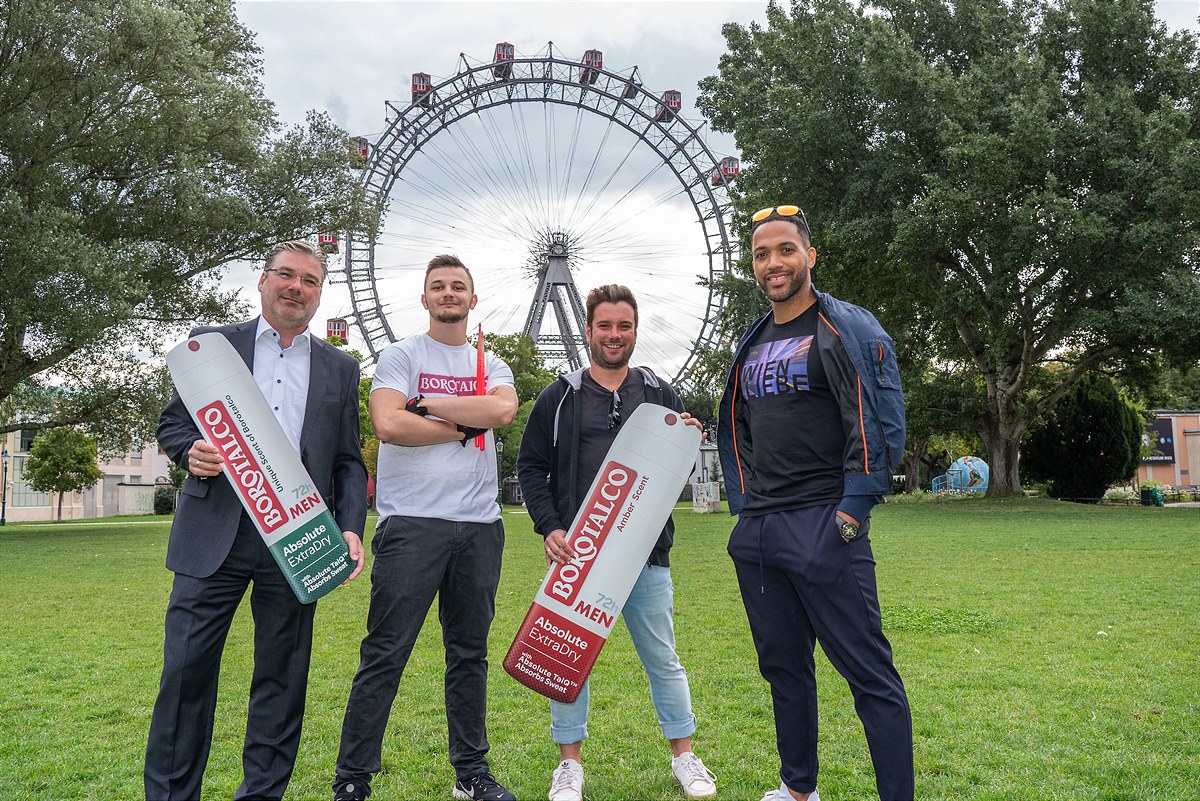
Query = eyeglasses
x=614 y=412
x=780 y=211
x=287 y=276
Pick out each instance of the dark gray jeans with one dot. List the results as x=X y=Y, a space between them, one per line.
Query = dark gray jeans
x=417 y=558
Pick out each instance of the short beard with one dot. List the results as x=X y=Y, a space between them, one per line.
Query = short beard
x=600 y=357
x=789 y=291
x=450 y=317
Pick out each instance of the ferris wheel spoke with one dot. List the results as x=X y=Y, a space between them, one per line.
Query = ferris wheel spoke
x=529 y=174
x=607 y=225
x=602 y=192
x=503 y=181
x=444 y=200
x=518 y=168
x=565 y=186
x=582 y=194
x=463 y=177
x=621 y=200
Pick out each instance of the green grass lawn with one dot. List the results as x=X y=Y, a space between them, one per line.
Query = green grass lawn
x=1050 y=651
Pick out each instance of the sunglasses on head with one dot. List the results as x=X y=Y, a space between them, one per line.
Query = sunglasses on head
x=780 y=212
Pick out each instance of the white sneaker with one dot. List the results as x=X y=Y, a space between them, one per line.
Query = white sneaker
x=780 y=794
x=697 y=780
x=567 y=782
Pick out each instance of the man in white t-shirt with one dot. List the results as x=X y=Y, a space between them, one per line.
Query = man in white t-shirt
x=439 y=533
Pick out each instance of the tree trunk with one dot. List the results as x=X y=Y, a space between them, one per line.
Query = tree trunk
x=60 y=497
x=1001 y=435
x=1005 y=479
x=912 y=468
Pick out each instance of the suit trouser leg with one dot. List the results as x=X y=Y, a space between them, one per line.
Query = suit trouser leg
x=466 y=606
x=198 y=617
x=410 y=559
x=283 y=630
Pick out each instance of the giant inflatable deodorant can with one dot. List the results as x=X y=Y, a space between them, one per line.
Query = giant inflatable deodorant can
x=260 y=463
x=613 y=534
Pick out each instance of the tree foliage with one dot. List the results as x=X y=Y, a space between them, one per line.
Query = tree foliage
x=164 y=500
x=510 y=435
x=1174 y=388
x=530 y=374
x=701 y=401
x=138 y=155
x=1090 y=440
x=1010 y=186
x=62 y=460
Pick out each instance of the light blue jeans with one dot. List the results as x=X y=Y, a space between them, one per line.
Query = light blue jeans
x=648 y=614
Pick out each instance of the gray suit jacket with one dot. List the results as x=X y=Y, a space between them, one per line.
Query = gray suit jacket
x=207 y=519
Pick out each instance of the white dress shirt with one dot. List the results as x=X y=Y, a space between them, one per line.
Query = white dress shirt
x=282 y=375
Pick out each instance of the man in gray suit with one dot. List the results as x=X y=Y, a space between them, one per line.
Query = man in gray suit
x=215 y=550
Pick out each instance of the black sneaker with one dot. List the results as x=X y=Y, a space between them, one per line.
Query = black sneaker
x=481 y=787
x=351 y=790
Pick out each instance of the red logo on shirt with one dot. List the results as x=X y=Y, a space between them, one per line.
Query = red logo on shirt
x=445 y=384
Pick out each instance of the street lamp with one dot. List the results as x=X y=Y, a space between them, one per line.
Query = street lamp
x=3 y=486
x=499 y=471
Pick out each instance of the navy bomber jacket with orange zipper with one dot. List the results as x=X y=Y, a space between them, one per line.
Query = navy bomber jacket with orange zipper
x=860 y=360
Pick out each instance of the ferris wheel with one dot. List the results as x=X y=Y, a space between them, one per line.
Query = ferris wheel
x=546 y=174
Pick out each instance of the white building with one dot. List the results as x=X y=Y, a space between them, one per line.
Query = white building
x=126 y=489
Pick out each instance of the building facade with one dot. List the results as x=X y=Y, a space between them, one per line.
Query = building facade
x=126 y=489
x=1174 y=440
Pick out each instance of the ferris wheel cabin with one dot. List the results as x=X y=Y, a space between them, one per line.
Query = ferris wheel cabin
x=726 y=171
x=360 y=148
x=502 y=60
x=632 y=85
x=672 y=101
x=338 y=327
x=327 y=242
x=593 y=61
x=422 y=89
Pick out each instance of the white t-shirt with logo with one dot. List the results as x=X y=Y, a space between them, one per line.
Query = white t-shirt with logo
x=447 y=481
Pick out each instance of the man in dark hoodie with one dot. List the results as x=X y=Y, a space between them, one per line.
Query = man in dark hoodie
x=570 y=429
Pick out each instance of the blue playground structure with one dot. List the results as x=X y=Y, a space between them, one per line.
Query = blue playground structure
x=966 y=474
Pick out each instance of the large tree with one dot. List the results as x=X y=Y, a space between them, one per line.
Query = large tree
x=138 y=155
x=1008 y=184
x=62 y=460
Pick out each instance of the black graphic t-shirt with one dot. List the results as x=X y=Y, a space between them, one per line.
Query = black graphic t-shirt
x=795 y=430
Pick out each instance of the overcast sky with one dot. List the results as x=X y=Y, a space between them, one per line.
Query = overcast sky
x=348 y=58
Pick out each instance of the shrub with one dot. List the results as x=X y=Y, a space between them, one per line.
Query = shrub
x=1089 y=440
x=164 y=500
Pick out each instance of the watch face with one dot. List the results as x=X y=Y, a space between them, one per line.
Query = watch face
x=849 y=531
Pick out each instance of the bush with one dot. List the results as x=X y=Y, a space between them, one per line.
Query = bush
x=164 y=500
x=1088 y=441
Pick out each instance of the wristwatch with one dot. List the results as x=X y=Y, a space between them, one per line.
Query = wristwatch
x=847 y=529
